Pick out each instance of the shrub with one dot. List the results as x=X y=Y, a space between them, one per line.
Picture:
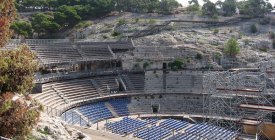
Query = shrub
x=263 y=49
x=83 y=24
x=216 y=31
x=199 y=56
x=121 y=22
x=136 y=66
x=145 y=65
x=152 y=21
x=17 y=116
x=115 y=33
x=246 y=41
x=215 y=16
x=105 y=37
x=177 y=64
x=272 y=35
x=253 y=28
x=136 y=20
x=232 y=47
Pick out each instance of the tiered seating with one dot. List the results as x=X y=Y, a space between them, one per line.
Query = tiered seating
x=77 y=90
x=152 y=133
x=183 y=136
x=152 y=121
x=120 y=106
x=57 y=53
x=71 y=117
x=96 y=52
x=107 y=83
x=210 y=132
x=96 y=111
x=172 y=124
x=137 y=81
x=125 y=126
x=49 y=97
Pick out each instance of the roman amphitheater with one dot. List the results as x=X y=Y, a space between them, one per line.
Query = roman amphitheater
x=94 y=85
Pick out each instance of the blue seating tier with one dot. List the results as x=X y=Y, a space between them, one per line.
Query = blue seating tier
x=96 y=111
x=153 y=133
x=120 y=106
x=172 y=124
x=125 y=126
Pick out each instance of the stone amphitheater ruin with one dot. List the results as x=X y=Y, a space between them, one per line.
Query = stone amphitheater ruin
x=96 y=85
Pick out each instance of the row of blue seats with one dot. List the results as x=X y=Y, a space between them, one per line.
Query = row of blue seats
x=210 y=131
x=125 y=126
x=184 y=136
x=152 y=133
x=174 y=124
x=96 y=111
x=120 y=106
x=152 y=121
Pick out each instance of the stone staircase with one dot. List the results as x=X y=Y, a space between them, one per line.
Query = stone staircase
x=111 y=109
x=94 y=83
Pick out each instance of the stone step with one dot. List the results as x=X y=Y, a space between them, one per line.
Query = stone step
x=112 y=110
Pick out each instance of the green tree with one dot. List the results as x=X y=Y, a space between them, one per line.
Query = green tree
x=229 y=7
x=193 y=6
x=43 y=23
x=168 y=6
x=232 y=47
x=255 y=8
x=66 y=16
x=209 y=8
x=22 y=28
x=17 y=70
x=253 y=28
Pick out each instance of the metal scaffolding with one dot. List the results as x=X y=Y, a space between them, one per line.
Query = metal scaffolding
x=239 y=97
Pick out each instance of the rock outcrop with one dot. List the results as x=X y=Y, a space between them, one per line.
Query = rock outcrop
x=55 y=129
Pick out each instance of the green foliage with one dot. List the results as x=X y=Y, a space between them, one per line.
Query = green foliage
x=254 y=8
x=152 y=21
x=136 y=20
x=229 y=7
x=115 y=33
x=45 y=131
x=176 y=64
x=167 y=6
x=193 y=6
x=22 y=28
x=246 y=41
x=232 y=47
x=199 y=56
x=136 y=66
x=253 y=28
x=20 y=118
x=66 y=16
x=209 y=8
x=217 y=55
x=145 y=65
x=272 y=35
x=17 y=70
x=43 y=23
x=263 y=49
x=121 y=21
x=83 y=24
x=216 y=31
